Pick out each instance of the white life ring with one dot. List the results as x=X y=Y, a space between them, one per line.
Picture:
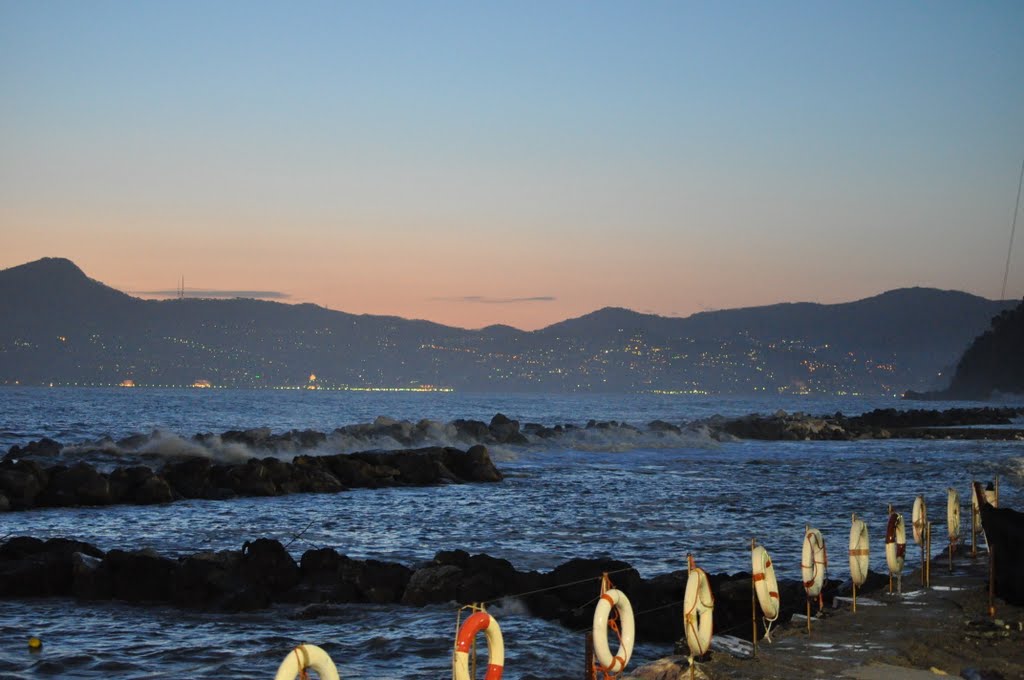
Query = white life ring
x=860 y=555
x=607 y=662
x=698 y=612
x=953 y=514
x=919 y=519
x=765 y=584
x=480 y=621
x=303 y=657
x=813 y=562
x=895 y=543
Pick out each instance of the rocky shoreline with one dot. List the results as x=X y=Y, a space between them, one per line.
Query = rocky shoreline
x=257 y=462
x=26 y=484
x=263 y=573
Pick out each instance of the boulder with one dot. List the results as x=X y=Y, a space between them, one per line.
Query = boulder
x=206 y=578
x=382 y=582
x=432 y=584
x=139 y=575
x=31 y=567
x=251 y=478
x=21 y=482
x=189 y=478
x=474 y=465
x=80 y=484
x=140 y=485
x=266 y=564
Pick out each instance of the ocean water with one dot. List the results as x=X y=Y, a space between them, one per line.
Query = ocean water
x=646 y=500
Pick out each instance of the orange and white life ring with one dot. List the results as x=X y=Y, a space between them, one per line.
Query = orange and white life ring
x=480 y=621
x=303 y=657
x=860 y=555
x=765 y=583
x=953 y=514
x=895 y=543
x=813 y=562
x=698 y=612
x=919 y=519
x=607 y=662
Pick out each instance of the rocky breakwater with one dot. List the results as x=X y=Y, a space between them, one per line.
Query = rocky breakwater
x=957 y=423
x=263 y=573
x=25 y=483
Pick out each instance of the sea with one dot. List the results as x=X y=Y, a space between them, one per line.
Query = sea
x=645 y=499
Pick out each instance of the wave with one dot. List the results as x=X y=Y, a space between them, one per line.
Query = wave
x=504 y=439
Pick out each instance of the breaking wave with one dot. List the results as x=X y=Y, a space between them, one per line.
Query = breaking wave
x=504 y=439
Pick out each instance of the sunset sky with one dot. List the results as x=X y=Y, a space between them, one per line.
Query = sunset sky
x=475 y=162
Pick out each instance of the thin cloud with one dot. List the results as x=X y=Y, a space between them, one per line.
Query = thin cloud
x=481 y=299
x=218 y=294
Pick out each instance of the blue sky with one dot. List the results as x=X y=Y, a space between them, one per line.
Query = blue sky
x=432 y=159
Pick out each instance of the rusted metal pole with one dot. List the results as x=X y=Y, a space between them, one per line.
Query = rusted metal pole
x=588 y=656
x=753 y=601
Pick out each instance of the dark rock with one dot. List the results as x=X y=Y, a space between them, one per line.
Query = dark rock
x=140 y=485
x=1004 y=530
x=266 y=564
x=473 y=431
x=206 y=578
x=432 y=584
x=474 y=465
x=139 y=575
x=22 y=482
x=80 y=484
x=662 y=426
x=189 y=478
x=383 y=582
x=251 y=478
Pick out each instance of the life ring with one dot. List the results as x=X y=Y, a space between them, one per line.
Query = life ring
x=953 y=514
x=480 y=621
x=765 y=584
x=813 y=562
x=860 y=555
x=303 y=657
x=895 y=543
x=698 y=612
x=919 y=519
x=607 y=662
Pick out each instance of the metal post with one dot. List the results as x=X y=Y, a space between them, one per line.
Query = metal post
x=991 y=583
x=588 y=656
x=928 y=556
x=975 y=503
x=753 y=601
x=887 y=519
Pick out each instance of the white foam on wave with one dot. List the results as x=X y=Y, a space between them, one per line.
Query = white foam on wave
x=509 y=606
x=622 y=439
x=168 y=445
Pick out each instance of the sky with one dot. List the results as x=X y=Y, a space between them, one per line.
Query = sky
x=474 y=163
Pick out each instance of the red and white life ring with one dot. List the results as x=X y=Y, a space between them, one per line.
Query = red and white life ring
x=698 y=612
x=919 y=519
x=813 y=562
x=895 y=543
x=607 y=662
x=860 y=554
x=480 y=621
x=303 y=657
x=765 y=584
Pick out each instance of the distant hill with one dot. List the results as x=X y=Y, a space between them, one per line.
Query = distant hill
x=994 y=363
x=59 y=326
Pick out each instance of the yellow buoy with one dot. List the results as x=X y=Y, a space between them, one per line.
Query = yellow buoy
x=35 y=644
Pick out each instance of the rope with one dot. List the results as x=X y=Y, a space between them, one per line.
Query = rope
x=302 y=664
x=299 y=535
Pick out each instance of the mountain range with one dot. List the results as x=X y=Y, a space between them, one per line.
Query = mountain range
x=59 y=326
